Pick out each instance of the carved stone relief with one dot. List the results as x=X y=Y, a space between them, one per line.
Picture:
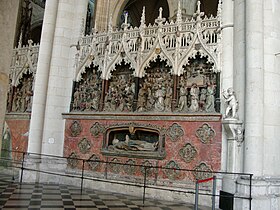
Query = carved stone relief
x=202 y=171
x=172 y=172
x=72 y=160
x=87 y=93
x=93 y=162
x=197 y=87
x=121 y=92
x=22 y=96
x=155 y=91
x=84 y=145
x=130 y=167
x=175 y=132
x=114 y=167
x=96 y=129
x=75 y=128
x=205 y=133
x=188 y=152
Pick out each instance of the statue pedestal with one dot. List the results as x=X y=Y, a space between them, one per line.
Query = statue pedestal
x=234 y=132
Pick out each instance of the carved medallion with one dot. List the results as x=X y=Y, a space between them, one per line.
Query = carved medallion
x=72 y=160
x=114 y=167
x=202 y=171
x=93 y=162
x=96 y=129
x=149 y=171
x=175 y=132
x=188 y=152
x=205 y=133
x=158 y=50
x=130 y=168
x=75 y=128
x=84 y=145
x=172 y=172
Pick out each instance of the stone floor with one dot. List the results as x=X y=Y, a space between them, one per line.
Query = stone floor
x=60 y=197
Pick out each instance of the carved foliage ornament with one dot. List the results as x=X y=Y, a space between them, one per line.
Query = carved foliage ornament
x=147 y=168
x=188 y=152
x=84 y=145
x=96 y=129
x=72 y=160
x=175 y=132
x=93 y=162
x=202 y=171
x=75 y=128
x=114 y=166
x=172 y=172
x=130 y=167
x=205 y=133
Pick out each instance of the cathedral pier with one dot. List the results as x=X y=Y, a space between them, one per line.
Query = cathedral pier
x=61 y=73
x=41 y=85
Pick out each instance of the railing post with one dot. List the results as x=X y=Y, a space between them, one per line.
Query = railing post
x=196 y=195
x=144 y=190
x=82 y=181
x=22 y=162
x=250 y=199
x=214 y=193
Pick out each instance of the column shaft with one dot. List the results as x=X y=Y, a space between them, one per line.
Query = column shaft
x=254 y=105
x=41 y=79
x=69 y=27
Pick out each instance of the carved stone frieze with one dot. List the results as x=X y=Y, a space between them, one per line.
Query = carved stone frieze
x=202 y=171
x=93 y=162
x=205 y=133
x=188 y=152
x=172 y=172
x=113 y=166
x=175 y=132
x=84 y=145
x=72 y=160
x=75 y=128
x=96 y=129
x=130 y=167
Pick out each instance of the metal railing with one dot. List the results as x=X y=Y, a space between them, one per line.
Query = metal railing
x=19 y=160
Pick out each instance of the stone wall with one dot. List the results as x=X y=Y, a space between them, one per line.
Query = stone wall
x=189 y=142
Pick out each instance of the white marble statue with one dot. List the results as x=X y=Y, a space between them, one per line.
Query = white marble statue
x=231 y=104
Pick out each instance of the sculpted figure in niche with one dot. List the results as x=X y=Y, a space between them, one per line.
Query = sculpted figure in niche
x=168 y=98
x=202 y=99
x=232 y=103
x=210 y=98
x=159 y=95
x=194 y=92
x=182 y=104
x=142 y=98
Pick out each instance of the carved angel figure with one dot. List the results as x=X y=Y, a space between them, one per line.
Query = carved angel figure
x=232 y=104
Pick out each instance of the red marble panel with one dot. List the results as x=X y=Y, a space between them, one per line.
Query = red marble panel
x=208 y=153
x=19 y=135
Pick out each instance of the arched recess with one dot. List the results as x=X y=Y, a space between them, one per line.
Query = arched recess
x=135 y=9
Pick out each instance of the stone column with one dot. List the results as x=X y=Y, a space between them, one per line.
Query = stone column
x=69 y=27
x=239 y=54
x=8 y=18
x=272 y=90
x=227 y=43
x=42 y=76
x=254 y=93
